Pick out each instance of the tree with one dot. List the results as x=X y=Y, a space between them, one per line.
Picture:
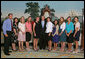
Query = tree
x=32 y=9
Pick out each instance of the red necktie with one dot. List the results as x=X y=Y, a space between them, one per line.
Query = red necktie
x=11 y=25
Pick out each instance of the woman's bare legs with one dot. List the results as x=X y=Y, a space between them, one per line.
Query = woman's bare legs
x=22 y=45
x=34 y=44
x=69 y=46
x=49 y=44
x=19 y=43
x=55 y=46
x=63 y=46
x=27 y=46
x=76 y=49
x=13 y=46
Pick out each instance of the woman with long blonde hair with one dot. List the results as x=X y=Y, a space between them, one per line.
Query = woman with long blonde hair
x=21 y=36
x=62 y=33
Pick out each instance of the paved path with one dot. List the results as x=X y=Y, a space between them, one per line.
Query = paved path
x=42 y=54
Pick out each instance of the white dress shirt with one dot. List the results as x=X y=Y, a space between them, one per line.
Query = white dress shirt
x=49 y=27
x=42 y=22
x=63 y=26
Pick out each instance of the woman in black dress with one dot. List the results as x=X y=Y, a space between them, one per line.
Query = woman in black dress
x=36 y=30
x=15 y=33
x=76 y=34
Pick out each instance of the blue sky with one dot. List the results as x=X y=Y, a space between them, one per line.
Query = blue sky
x=61 y=7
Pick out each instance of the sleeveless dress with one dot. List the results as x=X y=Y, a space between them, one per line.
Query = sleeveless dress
x=55 y=39
x=37 y=30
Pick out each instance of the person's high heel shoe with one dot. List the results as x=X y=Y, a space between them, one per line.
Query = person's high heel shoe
x=82 y=49
x=35 y=49
x=49 y=50
x=14 y=50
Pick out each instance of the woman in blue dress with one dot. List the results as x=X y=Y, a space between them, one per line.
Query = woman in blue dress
x=55 y=34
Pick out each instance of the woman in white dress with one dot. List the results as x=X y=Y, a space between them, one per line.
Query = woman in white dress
x=21 y=36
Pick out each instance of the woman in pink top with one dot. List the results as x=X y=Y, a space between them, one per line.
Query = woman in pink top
x=28 y=26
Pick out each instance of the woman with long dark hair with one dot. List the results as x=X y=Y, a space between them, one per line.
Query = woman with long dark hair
x=69 y=32
x=76 y=33
x=15 y=33
x=36 y=30
x=55 y=32
x=49 y=28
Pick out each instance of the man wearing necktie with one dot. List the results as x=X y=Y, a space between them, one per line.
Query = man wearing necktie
x=42 y=42
x=7 y=31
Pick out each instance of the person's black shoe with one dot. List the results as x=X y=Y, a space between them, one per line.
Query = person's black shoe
x=43 y=48
x=7 y=54
x=14 y=50
x=40 y=49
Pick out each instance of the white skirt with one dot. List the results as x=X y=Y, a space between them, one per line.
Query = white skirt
x=21 y=37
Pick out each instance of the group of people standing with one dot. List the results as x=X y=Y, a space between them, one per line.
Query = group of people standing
x=44 y=30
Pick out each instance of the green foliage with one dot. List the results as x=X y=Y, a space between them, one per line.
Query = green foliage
x=42 y=11
x=32 y=9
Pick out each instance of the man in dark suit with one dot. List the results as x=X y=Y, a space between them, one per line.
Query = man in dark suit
x=42 y=41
